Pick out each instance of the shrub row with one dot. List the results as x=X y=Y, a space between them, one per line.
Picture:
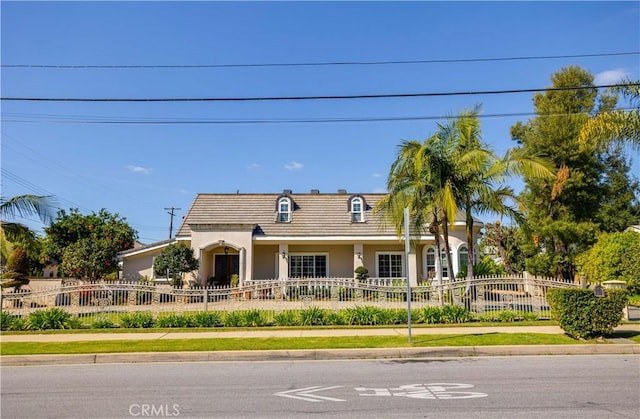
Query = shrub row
x=56 y=318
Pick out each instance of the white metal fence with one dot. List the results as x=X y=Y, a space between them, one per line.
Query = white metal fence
x=479 y=295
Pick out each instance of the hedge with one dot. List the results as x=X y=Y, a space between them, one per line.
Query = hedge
x=582 y=315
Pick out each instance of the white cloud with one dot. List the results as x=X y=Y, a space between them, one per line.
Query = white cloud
x=611 y=76
x=139 y=169
x=379 y=190
x=294 y=165
x=253 y=166
x=376 y=175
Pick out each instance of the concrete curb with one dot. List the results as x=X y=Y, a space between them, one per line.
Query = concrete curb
x=321 y=354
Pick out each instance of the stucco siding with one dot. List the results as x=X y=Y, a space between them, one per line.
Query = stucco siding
x=264 y=262
x=139 y=266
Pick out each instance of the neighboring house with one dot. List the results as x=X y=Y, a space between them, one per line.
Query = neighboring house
x=291 y=235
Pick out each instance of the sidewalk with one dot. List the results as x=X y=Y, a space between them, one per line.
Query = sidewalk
x=266 y=333
x=613 y=346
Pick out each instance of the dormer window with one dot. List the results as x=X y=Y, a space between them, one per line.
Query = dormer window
x=356 y=207
x=284 y=210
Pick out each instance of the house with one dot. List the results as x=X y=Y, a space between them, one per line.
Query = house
x=295 y=235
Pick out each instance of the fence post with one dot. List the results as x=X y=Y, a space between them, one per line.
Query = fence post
x=206 y=299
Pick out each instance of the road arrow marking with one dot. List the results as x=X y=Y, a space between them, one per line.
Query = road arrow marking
x=304 y=394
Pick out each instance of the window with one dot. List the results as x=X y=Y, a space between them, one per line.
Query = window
x=357 y=214
x=430 y=263
x=463 y=258
x=307 y=266
x=390 y=265
x=284 y=210
x=443 y=261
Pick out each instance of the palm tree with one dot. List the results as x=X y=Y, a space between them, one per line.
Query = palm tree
x=454 y=170
x=617 y=125
x=16 y=233
x=479 y=176
x=415 y=182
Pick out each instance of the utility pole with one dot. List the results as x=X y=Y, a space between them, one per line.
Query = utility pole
x=172 y=209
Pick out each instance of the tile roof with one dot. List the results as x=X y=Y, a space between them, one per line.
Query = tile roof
x=314 y=214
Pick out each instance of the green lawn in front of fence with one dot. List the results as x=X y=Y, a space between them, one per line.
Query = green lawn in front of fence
x=246 y=344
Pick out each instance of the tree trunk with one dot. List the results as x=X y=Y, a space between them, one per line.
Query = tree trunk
x=470 y=245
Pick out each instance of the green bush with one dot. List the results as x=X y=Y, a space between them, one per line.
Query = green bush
x=313 y=316
x=137 y=320
x=456 y=314
x=363 y=315
x=582 y=315
x=501 y=316
x=400 y=316
x=232 y=319
x=429 y=315
x=18 y=324
x=53 y=318
x=334 y=318
x=253 y=318
x=103 y=324
x=174 y=320
x=6 y=320
x=207 y=319
x=286 y=318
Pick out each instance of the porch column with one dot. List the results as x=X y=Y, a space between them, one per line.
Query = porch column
x=358 y=255
x=283 y=261
x=243 y=275
x=413 y=268
x=200 y=268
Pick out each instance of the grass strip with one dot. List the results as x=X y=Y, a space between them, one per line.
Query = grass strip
x=246 y=344
x=235 y=329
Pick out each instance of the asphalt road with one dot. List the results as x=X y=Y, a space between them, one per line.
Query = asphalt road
x=594 y=386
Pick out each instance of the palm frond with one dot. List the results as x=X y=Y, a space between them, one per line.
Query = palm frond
x=25 y=205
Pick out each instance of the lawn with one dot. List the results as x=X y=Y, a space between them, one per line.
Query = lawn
x=247 y=344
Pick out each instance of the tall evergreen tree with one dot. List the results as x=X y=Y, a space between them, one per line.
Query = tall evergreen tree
x=564 y=214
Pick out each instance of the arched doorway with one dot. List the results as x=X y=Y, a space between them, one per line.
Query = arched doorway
x=226 y=263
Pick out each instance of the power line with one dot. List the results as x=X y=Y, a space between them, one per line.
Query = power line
x=318 y=64
x=327 y=97
x=36 y=189
x=60 y=119
x=70 y=173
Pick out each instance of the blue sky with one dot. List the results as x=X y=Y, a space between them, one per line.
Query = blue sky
x=138 y=169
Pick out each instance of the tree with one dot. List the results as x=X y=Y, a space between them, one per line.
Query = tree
x=174 y=261
x=563 y=214
x=17 y=235
x=17 y=270
x=86 y=245
x=616 y=125
x=620 y=207
x=413 y=184
x=478 y=176
x=452 y=171
x=507 y=242
x=614 y=256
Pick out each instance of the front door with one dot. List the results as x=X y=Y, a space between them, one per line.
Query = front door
x=225 y=266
